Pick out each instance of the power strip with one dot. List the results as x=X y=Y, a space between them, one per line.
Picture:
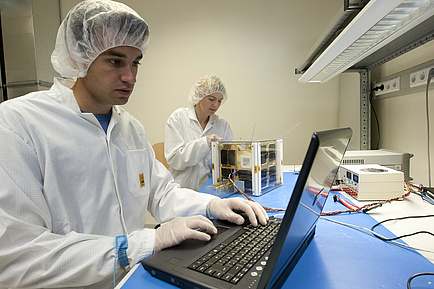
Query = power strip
x=404 y=83
x=420 y=77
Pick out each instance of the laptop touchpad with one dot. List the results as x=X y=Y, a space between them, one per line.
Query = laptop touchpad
x=220 y=230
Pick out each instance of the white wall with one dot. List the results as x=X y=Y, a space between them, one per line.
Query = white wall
x=403 y=119
x=254 y=47
x=349 y=106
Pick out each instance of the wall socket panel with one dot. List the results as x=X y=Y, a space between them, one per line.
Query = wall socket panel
x=420 y=77
x=390 y=85
x=417 y=73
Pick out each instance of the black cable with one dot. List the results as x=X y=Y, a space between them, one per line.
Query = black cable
x=377 y=122
x=416 y=275
x=426 y=198
x=403 y=236
x=406 y=235
x=430 y=75
x=381 y=87
x=426 y=194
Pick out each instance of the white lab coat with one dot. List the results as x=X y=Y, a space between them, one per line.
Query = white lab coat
x=67 y=189
x=186 y=149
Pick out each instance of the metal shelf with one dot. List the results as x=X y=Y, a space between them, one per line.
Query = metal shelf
x=417 y=36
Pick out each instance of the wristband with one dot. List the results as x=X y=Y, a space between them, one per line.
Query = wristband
x=121 y=250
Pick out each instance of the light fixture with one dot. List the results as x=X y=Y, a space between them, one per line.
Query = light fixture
x=376 y=25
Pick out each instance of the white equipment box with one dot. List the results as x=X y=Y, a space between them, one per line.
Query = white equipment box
x=372 y=182
x=258 y=164
x=392 y=159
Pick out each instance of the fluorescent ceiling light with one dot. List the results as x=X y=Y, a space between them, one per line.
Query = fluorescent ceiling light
x=379 y=23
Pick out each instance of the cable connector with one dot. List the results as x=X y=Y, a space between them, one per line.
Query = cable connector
x=345 y=203
x=428 y=194
x=380 y=87
x=430 y=76
x=377 y=205
x=431 y=73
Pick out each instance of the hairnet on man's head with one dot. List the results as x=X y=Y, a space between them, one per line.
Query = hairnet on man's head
x=92 y=27
x=205 y=86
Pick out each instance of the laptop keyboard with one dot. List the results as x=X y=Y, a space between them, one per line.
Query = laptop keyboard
x=232 y=259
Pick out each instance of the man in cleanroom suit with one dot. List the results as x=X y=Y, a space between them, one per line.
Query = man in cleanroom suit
x=77 y=173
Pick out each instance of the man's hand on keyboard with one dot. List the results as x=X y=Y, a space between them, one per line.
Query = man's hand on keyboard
x=225 y=209
x=182 y=228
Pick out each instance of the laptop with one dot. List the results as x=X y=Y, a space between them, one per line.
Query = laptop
x=232 y=260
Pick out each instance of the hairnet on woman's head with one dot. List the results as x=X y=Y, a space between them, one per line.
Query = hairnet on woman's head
x=205 y=86
x=92 y=27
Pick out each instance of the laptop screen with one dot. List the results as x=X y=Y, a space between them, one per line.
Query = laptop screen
x=316 y=177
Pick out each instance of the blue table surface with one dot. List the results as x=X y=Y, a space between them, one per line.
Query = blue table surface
x=339 y=256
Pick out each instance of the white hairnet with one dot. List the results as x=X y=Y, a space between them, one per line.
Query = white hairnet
x=92 y=27
x=205 y=86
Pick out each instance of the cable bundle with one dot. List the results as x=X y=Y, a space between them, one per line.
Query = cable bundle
x=267 y=209
x=366 y=208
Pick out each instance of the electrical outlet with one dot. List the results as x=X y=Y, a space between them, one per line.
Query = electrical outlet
x=390 y=85
x=420 y=77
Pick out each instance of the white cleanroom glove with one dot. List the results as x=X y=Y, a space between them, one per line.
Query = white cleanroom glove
x=182 y=228
x=225 y=209
x=212 y=137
